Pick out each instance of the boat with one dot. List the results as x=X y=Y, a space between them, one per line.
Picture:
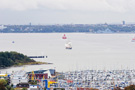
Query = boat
x=64 y=37
x=13 y=41
x=68 y=45
x=133 y=39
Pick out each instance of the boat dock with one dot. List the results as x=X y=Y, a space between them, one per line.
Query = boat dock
x=37 y=56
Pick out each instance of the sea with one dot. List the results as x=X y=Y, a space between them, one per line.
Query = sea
x=89 y=51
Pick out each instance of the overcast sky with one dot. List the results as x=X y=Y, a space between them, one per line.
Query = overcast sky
x=66 y=11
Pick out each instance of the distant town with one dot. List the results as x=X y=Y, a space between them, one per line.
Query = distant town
x=90 y=28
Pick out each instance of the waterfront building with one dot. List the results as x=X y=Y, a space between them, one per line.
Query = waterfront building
x=42 y=74
x=50 y=72
x=3 y=76
x=19 y=77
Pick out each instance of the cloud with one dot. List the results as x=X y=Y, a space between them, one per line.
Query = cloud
x=82 y=5
x=76 y=4
x=18 y=4
x=121 y=5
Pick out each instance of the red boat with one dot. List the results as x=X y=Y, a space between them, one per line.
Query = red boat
x=133 y=40
x=64 y=37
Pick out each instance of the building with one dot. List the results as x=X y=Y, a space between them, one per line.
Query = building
x=35 y=75
x=2 y=27
x=50 y=72
x=123 y=22
x=42 y=74
x=19 y=77
x=3 y=76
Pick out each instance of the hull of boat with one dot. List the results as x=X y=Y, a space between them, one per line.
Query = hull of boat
x=68 y=47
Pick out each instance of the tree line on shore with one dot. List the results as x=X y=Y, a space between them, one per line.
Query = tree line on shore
x=8 y=59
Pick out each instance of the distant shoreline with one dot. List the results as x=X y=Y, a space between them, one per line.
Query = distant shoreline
x=69 y=28
x=66 y=32
x=34 y=63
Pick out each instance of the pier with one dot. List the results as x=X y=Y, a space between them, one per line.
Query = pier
x=37 y=56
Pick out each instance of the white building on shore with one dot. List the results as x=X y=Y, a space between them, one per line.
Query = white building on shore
x=2 y=27
x=19 y=77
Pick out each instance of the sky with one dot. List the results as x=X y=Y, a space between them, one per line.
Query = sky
x=66 y=11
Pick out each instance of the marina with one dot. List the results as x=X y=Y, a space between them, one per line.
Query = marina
x=72 y=80
x=99 y=79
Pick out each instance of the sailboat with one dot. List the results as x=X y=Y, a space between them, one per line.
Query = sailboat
x=68 y=45
x=64 y=37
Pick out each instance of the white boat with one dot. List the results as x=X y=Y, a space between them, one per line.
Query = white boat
x=68 y=45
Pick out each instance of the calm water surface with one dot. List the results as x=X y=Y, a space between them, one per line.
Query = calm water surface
x=90 y=51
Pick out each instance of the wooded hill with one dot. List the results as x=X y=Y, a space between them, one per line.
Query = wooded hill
x=8 y=59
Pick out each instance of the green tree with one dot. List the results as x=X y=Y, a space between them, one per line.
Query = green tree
x=3 y=83
x=24 y=89
x=12 y=88
x=8 y=87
